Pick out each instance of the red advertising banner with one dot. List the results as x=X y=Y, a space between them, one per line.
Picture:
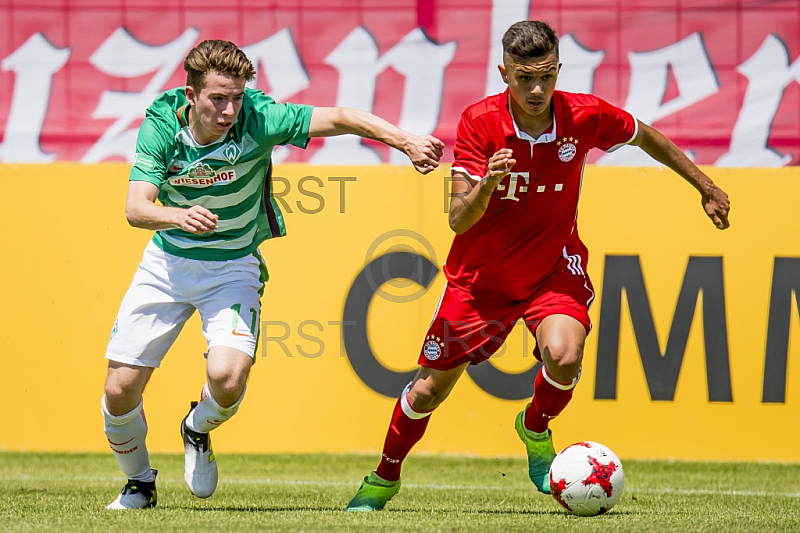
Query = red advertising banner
x=718 y=77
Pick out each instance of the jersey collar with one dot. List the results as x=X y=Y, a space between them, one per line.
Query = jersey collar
x=186 y=133
x=183 y=116
x=510 y=126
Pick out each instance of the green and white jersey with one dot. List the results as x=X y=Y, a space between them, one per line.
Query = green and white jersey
x=227 y=177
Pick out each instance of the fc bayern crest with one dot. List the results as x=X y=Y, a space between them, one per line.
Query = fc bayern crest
x=567 y=152
x=432 y=349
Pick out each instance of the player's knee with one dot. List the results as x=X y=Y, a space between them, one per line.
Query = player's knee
x=426 y=397
x=115 y=389
x=227 y=384
x=223 y=370
x=120 y=399
x=564 y=361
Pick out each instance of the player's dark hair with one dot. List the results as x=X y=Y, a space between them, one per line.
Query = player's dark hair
x=222 y=57
x=529 y=38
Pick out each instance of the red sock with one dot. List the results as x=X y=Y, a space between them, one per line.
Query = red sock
x=403 y=434
x=549 y=399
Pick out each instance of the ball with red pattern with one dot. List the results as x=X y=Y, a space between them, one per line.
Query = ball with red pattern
x=586 y=478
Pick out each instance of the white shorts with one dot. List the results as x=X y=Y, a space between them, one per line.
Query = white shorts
x=166 y=290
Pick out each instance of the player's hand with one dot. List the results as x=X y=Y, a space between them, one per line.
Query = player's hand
x=425 y=151
x=198 y=220
x=717 y=206
x=499 y=166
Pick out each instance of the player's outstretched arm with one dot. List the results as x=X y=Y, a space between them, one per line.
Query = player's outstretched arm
x=142 y=212
x=715 y=201
x=423 y=150
x=468 y=199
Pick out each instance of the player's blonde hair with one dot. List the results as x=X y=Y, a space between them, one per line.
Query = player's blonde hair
x=529 y=38
x=222 y=57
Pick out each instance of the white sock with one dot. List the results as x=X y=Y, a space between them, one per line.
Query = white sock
x=209 y=414
x=126 y=435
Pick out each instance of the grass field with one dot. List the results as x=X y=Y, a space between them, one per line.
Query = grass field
x=68 y=492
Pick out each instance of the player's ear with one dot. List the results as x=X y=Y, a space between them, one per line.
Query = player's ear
x=189 y=91
x=502 y=69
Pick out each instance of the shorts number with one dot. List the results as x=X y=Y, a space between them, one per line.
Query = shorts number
x=237 y=308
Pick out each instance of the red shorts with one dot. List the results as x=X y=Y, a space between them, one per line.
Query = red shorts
x=470 y=327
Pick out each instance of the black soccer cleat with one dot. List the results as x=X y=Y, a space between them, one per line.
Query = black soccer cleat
x=136 y=494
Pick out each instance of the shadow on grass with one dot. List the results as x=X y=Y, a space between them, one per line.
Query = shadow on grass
x=289 y=508
x=250 y=509
x=498 y=512
x=511 y=512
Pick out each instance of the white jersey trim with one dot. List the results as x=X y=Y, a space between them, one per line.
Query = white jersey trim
x=635 y=133
x=464 y=171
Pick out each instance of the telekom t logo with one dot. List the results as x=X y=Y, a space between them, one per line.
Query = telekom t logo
x=513 y=178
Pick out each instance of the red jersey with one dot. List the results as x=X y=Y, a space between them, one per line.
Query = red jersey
x=529 y=230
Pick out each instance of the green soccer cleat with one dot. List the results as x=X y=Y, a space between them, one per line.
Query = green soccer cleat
x=373 y=493
x=540 y=452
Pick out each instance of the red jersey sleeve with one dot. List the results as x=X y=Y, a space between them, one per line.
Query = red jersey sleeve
x=616 y=127
x=471 y=147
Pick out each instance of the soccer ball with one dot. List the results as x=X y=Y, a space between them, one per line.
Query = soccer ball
x=586 y=478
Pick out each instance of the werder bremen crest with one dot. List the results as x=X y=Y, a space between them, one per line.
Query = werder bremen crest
x=231 y=152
